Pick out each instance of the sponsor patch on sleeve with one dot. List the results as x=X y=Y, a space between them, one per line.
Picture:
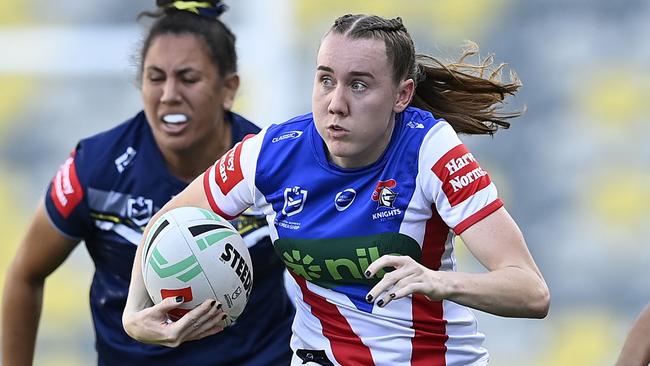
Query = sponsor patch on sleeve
x=228 y=169
x=460 y=174
x=66 y=192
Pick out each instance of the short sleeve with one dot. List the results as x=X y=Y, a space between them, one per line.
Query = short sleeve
x=229 y=184
x=65 y=201
x=461 y=190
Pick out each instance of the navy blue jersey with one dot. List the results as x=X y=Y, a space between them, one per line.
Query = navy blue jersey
x=105 y=194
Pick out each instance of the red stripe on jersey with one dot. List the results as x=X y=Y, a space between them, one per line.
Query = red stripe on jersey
x=210 y=198
x=228 y=169
x=428 y=343
x=346 y=345
x=66 y=192
x=478 y=216
x=460 y=174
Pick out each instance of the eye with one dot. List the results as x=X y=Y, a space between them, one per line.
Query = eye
x=155 y=77
x=190 y=80
x=326 y=81
x=358 y=86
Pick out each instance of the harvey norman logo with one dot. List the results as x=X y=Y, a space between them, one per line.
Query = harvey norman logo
x=460 y=174
x=287 y=136
x=455 y=165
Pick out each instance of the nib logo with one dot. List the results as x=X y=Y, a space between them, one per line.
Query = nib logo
x=301 y=265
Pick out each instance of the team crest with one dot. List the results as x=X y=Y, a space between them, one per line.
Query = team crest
x=385 y=194
x=294 y=200
x=139 y=210
x=386 y=197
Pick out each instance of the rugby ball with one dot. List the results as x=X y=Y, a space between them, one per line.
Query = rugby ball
x=197 y=254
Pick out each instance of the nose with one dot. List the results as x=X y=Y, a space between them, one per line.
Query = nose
x=170 y=92
x=338 y=102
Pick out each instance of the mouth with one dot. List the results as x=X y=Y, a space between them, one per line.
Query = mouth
x=336 y=131
x=174 y=123
x=174 y=118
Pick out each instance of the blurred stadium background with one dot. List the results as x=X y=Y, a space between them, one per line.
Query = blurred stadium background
x=573 y=171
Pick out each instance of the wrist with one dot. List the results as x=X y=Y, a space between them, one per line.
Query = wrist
x=448 y=286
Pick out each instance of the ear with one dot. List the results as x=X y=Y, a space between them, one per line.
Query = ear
x=230 y=87
x=405 y=92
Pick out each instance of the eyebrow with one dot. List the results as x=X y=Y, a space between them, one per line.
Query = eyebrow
x=353 y=73
x=179 y=71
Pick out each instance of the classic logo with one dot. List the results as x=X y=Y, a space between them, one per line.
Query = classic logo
x=66 y=189
x=139 y=210
x=460 y=174
x=413 y=124
x=287 y=136
x=344 y=199
x=294 y=200
x=125 y=159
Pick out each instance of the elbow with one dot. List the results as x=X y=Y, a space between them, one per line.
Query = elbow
x=126 y=324
x=541 y=302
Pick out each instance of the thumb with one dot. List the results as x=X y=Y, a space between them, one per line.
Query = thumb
x=170 y=303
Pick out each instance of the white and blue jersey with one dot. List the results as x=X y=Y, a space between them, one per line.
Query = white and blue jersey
x=104 y=194
x=328 y=223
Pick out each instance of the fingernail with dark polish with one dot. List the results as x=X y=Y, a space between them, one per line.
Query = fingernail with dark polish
x=213 y=302
x=219 y=306
x=380 y=303
x=369 y=298
x=392 y=296
x=367 y=273
x=224 y=316
x=179 y=299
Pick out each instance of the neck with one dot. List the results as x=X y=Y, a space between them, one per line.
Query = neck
x=187 y=164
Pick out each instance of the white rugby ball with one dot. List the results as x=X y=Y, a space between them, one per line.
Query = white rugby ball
x=197 y=254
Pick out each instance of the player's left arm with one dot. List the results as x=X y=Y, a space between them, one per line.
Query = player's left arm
x=467 y=201
x=513 y=285
x=636 y=349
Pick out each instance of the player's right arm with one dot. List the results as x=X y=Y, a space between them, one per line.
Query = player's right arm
x=42 y=250
x=148 y=323
x=222 y=189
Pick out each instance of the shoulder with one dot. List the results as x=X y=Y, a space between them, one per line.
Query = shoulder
x=112 y=149
x=419 y=119
x=241 y=125
x=289 y=130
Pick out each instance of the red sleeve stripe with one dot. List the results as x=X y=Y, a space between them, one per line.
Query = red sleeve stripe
x=208 y=194
x=478 y=216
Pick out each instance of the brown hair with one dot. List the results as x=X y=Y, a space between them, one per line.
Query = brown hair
x=466 y=95
x=171 y=18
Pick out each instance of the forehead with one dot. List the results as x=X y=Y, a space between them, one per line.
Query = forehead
x=345 y=54
x=176 y=50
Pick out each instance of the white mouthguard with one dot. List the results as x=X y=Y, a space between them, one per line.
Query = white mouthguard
x=175 y=118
